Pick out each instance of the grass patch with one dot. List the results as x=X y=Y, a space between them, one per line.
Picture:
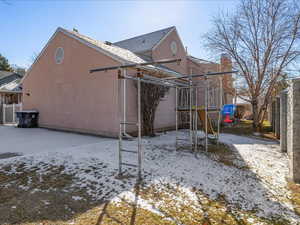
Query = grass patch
x=242 y=128
x=48 y=200
x=295 y=198
x=168 y=205
x=177 y=207
x=176 y=202
x=28 y=197
x=225 y=155
x=245 y=127
x=219 y=152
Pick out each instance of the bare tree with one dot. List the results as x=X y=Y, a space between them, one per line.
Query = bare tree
x=262 y=37
x=151 y=95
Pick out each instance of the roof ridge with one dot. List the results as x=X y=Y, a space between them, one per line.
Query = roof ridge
x=98 y=43
x=95 y=40
x=82 y=35
x=145 y=34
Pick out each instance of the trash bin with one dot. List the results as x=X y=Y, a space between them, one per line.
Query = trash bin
x=27 y=118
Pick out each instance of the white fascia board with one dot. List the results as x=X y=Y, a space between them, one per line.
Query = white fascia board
x=11 y=92
x=161 y=40
x=180 y=41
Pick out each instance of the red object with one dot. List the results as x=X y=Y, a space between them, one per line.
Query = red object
x=227 y=119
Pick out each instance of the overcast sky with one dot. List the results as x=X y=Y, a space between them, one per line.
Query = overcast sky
x=26 y=26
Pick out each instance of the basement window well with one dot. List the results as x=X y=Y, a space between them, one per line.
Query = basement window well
x=59 y=55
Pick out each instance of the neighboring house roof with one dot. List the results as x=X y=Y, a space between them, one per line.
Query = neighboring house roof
x=10 y=81
x=144 y=42
x=5 y=74
x=199 y=61
x=241 y=101
x=13 y=86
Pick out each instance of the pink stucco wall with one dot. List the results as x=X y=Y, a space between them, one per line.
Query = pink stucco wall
x=165 y=114
x=163 y=51
x=201 y=68
x=69 y=97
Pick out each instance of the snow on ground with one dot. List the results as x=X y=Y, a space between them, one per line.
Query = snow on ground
x=262 y=187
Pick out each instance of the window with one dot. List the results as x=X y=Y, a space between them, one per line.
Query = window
x=173 y=47
x=59 y=55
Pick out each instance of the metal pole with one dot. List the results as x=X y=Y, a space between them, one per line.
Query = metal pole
x=220 y=105
x=191 y=122
x=196 y=119
x=120 y=147
x=134 y=65
x=176 y=115
x=124 y=102
x=139 y=130
x=200 y=75
x=206 y=117
x=120 y=124
x=155 y=81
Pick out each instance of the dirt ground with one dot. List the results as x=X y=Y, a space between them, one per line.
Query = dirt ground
x=29 y=198
x=54 y=204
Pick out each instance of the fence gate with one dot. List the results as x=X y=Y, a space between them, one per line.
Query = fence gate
x=8 y=112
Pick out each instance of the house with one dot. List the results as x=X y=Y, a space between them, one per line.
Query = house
x=10 y=90
x=68 y=97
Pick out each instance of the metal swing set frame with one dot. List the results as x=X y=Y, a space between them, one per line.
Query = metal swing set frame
x=177 y=82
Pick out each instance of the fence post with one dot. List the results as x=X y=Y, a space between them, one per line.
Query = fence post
x=283 y=120
x=277 y=117
x=293 y=130
x=4 y=113
x=13 y=111
x=273 y=115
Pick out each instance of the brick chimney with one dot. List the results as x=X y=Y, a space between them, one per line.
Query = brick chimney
x=226 y=65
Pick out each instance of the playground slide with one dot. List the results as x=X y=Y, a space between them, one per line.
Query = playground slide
x=201 y=114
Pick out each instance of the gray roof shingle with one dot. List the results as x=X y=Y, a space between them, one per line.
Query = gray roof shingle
x=4 y=74
x=7 y=77
x=120 y=53
x=10 y=81
x=124 y=55
x=144 y=42
x=14 y=85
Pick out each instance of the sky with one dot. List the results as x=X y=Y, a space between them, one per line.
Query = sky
x=27 y=25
